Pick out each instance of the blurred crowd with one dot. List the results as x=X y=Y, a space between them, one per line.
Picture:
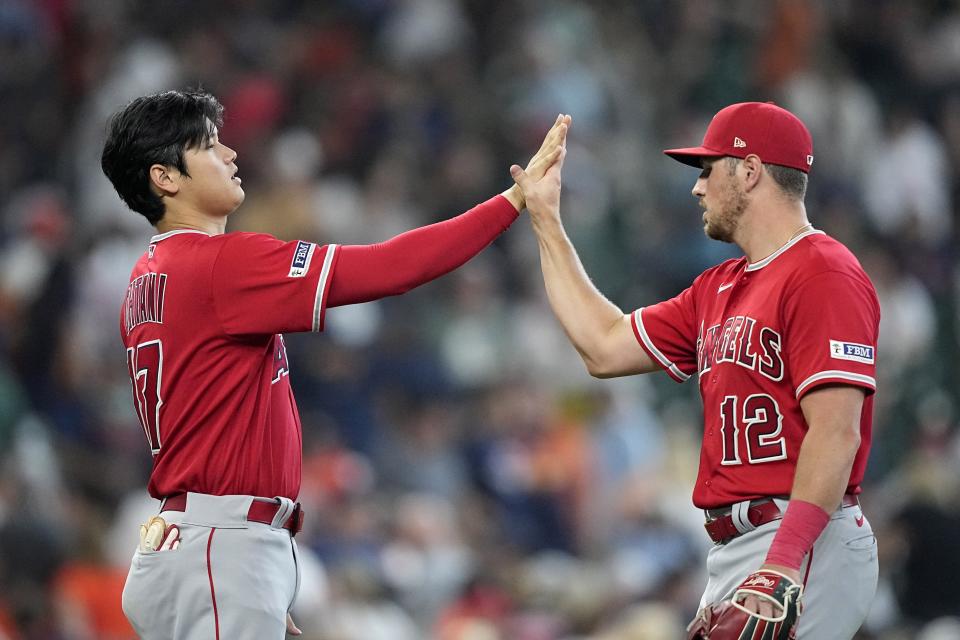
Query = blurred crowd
x=464 y=477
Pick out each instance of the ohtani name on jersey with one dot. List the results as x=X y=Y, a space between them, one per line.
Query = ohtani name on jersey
x=144 y=301
x=741 y=341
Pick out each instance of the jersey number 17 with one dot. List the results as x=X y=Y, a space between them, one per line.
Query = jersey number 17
x=145 y=365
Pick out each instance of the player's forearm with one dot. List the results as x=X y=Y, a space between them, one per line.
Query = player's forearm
x=585 y=314
x=823 y=470
x=830 y=445
x=824 y=464
x=370 y=272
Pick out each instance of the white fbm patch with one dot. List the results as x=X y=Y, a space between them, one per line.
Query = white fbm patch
x=851 y=351
x=301 y=259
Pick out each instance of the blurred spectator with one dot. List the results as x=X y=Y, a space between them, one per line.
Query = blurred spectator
x=906 y=183
x=463 y=477
x=87 y=587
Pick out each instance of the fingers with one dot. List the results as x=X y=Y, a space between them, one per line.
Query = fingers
x=519 y=176
x=551 y=135
x=558 y=132
x=549 y=159
x=292 y=628
x=761 y=606
x=538 y=166
x=561 y=156
x=766 y=609
x=556 y=137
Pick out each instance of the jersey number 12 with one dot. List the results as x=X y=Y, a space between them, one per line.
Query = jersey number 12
x=761 y=424
x=145 y=365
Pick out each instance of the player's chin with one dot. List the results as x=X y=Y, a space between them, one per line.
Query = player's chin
x=228 y=206
x=717 y=233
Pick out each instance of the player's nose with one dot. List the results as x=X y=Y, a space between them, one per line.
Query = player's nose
x=231 y=155
x=699 y=188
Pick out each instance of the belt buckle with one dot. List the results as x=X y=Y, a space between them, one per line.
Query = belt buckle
x=717 y=543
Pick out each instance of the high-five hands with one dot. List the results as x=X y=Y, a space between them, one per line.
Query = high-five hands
x=540 y=181
x=550 y=152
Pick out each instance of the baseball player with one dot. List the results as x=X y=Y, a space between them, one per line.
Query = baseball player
x=202 y=323
x=783 y=345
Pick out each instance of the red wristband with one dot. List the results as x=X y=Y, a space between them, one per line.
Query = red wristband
x=801 y=526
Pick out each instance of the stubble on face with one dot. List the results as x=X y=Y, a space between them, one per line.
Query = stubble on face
x=721 y=221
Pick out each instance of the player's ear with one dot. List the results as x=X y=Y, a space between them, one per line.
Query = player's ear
x=752 y=168
x=163 y=180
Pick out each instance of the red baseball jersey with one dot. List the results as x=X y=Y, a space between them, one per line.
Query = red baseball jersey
x=201 y=322
x=760 y=336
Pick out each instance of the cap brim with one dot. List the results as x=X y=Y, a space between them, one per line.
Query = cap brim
x=692 y=155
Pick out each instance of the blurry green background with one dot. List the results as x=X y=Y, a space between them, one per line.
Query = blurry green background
x=464 y=478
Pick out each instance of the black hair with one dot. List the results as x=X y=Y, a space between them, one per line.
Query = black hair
x=155 y=129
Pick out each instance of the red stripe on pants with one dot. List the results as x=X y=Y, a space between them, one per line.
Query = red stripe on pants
x=213 y=593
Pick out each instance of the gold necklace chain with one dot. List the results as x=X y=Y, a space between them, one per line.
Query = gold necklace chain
x=798 y=231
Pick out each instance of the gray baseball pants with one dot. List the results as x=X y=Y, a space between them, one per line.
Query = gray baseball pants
x=228 y=579
x=841 y=582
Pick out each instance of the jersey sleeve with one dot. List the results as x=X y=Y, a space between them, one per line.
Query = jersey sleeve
x=261 y=285
x=667 y=331
x=832 y=322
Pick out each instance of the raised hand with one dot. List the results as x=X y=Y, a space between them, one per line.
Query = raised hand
x=546 y=156
x=540 y=181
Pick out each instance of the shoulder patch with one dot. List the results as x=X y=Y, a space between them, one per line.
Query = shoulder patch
x=851 y=351
x=300 y=264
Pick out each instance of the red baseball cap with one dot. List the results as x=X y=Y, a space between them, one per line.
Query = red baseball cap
x=771 y=132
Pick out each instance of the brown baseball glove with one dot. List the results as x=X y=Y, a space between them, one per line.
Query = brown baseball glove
x=730 y=620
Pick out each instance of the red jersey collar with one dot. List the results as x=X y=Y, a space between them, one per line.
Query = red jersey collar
x=175 y=232
x=760 y=264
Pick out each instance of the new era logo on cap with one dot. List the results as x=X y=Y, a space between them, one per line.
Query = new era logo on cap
x=776 y=136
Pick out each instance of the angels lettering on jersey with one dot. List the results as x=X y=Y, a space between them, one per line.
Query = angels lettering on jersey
x=281 y=366
x=744 y=342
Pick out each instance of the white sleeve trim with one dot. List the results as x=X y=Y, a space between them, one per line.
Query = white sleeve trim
x=834 y=374
x=648 y=343
x=322 y=286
